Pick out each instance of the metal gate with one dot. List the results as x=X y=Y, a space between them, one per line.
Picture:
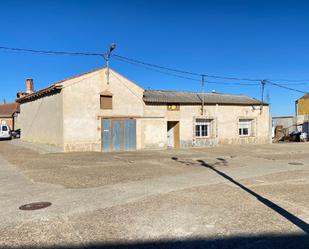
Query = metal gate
x=118 y=134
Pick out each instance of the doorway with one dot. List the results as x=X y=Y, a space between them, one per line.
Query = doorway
x=173 y=138
x=118 y=134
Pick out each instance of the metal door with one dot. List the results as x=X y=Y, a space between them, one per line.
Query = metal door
x=118 y=134
x=129 y=134
x=106 y=135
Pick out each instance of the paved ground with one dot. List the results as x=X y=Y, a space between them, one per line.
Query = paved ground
x=222 y=197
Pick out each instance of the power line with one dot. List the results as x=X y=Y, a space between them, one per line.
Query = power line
x=181 y=71
x=157 y=66
x=151 y=66
x=185 y=77
x=126 y=59
x=285 y=87
x=49 y=52
x=286 y=80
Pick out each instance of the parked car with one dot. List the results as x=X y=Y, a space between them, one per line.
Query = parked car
x=15 y=133
x=5 y=132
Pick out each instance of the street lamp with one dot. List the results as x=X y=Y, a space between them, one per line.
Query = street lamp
x=107 y=58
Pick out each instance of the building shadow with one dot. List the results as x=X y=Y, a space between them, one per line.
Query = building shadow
x=268 y=203
x=284 y=213
x=257 y=241
x=271 y=241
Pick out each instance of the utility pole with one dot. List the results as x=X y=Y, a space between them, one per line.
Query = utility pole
x=263 y=83
x=107 y=57
x=203 y=93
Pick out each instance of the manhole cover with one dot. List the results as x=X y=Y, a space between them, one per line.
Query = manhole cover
x=295 y=163
x=35 y=205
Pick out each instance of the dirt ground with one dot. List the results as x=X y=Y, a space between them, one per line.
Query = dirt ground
x=220 y=197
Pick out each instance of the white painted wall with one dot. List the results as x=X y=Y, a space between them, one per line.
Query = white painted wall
x=72 y=119
x=82 y=113
x=224 y=126
x=41 y=121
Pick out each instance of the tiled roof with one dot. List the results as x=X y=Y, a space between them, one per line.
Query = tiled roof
x=56 y=87
x=158 y=96
x=8 y=110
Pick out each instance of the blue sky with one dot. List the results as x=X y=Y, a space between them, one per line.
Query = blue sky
x=256 y=39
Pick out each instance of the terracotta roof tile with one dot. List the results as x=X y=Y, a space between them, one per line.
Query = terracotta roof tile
x=8 y=110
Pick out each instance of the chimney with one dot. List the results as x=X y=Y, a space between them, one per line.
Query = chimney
x=29 y=86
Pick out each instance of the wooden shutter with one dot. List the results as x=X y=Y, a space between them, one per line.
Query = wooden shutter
x=106 y=102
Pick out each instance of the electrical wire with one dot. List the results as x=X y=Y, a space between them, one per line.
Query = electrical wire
x=285 y=87
x=185 y=77
x=162 y=69
x=49 y=52
x=126 y=59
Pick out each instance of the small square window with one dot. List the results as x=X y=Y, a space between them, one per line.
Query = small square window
x=106 y=102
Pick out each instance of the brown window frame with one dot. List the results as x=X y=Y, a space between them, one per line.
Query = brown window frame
x=106 y=106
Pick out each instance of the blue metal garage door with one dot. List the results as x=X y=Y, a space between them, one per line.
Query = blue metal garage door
x=118 y=134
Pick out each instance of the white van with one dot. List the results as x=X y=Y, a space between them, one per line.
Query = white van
x=5 y=132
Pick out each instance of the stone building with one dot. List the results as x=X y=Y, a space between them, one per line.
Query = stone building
x=93 y=112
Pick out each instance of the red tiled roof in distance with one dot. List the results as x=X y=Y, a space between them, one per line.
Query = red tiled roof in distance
x=8 y=110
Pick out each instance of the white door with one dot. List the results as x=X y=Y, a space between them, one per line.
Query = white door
x=170 y=138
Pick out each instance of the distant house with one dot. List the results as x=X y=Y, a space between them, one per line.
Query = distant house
x=302 y=113
x=302 y=105
x=88 y=112
x=288 y=123
x=9 y=114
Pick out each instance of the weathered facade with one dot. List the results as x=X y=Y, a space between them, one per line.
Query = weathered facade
x=90 y=113
x=302 y=113
x=302 y=105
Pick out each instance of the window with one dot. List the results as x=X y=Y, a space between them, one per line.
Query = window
x=245 y=127
x=202 y=127
x=173 y=107
x=4 y=128
x=106 y=102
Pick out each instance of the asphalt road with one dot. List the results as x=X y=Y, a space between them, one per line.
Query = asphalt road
x=221 y=197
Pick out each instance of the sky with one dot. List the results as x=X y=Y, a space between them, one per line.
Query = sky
x=243 y=39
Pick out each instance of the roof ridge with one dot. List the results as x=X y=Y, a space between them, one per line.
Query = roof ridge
x=231 y=94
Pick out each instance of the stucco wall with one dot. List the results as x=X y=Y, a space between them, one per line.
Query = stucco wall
x=72 y=118
x=41 y=120
x=82 y=113
x=224 y=125
x=303 y=106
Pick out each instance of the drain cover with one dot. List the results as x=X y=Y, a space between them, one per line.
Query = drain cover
x=295 y=163
x=35 y=205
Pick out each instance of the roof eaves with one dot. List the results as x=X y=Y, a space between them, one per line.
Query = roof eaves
x=41 y=93
x=56 y=87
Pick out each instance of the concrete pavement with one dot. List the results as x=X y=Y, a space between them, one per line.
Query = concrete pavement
x=189 y=201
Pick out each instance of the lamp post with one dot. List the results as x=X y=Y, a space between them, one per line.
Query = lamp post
x=107 y=57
